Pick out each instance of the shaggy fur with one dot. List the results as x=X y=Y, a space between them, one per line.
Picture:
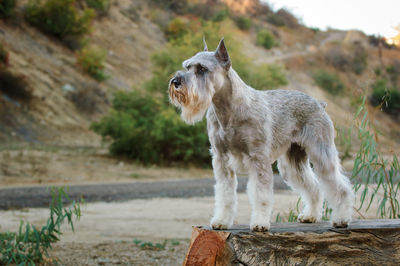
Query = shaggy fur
x=250 y=129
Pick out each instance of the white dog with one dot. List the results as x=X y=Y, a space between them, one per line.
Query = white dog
x=250 y=129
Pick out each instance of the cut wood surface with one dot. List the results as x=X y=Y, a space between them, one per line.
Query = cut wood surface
x=364 y=242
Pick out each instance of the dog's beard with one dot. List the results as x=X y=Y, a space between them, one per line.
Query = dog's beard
x=193 y=104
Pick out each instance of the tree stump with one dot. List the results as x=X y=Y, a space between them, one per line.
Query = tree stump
x=364 y=242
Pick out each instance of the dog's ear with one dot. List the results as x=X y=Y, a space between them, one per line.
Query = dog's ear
x=205 y=44
x=222 y=55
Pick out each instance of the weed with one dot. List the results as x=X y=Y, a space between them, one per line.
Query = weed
x=150 y=245
x=244 y=23
x=329 y=82
x=101 y=6
x=30 y=244
x=276 y=20
x=91 y=59
x=381 y=91
x=177 y=28
x=265 y=39
x=343 y=140
x=370 y=167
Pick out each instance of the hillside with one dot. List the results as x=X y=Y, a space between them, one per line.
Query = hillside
x=46 y=110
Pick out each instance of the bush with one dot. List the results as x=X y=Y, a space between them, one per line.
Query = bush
x=91 y=60
x=337 y=58
x=4 y=56
x=393 y=71
x=276 y=20
x=329 y=82
x=59 y=17
x=386 y=97
x=7 y=8
x=359 y=59
x=265 y=39
x=100 y=6
x=177 y=28
x=221 y=15
x=244 y=23
x=288 y=19
x=143 y=128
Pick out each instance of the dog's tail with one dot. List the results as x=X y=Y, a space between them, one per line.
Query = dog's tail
x=323 y=104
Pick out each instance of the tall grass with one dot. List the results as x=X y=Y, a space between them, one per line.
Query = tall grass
x=30 y=244
x=376 y=177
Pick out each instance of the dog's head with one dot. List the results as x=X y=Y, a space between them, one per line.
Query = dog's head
x=192 y=89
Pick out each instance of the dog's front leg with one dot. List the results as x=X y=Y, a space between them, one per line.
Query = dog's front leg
x=260 y=192
x=225 y=194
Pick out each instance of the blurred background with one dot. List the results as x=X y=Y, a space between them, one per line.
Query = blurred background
x=83 y=83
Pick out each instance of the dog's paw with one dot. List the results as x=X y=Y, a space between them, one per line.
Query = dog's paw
x=307 y=219
x=218 y=226
x=260 y=227
x=340 y=224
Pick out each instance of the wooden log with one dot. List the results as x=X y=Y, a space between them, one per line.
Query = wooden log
x=364 y=242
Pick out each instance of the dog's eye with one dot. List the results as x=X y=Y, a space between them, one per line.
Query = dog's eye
x=202 y=70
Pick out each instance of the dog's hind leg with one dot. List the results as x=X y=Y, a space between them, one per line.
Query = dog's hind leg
x=296 y=171
x=335 y=185
x=225 y=194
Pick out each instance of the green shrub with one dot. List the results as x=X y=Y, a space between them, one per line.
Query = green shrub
x=177 y=28
x=91 y=60
x=288 y=18
x=265 y=39
x=30 y=244
x=265 y=77
x=275 y=19
x=59 y=17
x=221 y=15
x=244 y=23
x=4 y=56
x=393 y=71
x=7 y=8
x=359 y=59
x=144 y=128
x=386 y=97
x=329 y=82
x=100 y=6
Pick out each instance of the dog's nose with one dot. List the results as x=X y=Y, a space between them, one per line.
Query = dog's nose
x=177 y=82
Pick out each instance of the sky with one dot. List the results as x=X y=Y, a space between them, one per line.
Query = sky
x=370 y=16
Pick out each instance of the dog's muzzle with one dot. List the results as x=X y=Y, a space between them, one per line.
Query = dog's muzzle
x=177 y=91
